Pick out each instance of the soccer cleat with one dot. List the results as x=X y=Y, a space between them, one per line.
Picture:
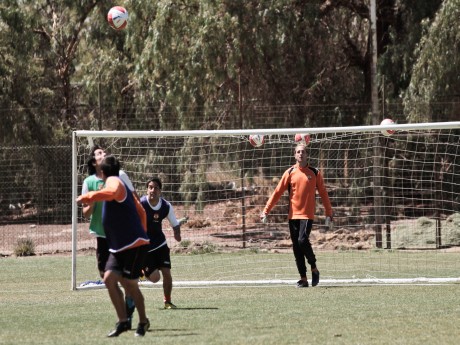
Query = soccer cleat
x=302 y=284
x=142 y=328
x=169 y=305
x=120 y=327
x=314 y=278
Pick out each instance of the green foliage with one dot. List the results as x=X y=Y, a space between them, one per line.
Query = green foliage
x=213 y=64
x=185 y=243
x=198 y=248
x=203 y=248
x=406 y=25
x=404 y=236
x=39 y=65
x=435 y=75
x=24 y=247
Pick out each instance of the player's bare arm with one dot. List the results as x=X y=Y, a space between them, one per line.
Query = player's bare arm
x=113 y=190
x=177 y=235
x=88 y=210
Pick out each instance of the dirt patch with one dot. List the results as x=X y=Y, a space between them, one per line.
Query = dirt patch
x=220 y=226
x=57 y=239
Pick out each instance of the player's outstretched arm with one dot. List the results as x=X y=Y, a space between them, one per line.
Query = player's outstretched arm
x=177 y=235
x=175 y=223
x=113 y=190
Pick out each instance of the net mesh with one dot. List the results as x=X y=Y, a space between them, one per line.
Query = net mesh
x=398 y=192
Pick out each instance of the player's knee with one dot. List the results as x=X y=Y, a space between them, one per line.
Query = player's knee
x=303 y=242
x=110 y=279
x=154 y=277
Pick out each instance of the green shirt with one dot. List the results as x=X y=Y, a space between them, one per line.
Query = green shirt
x=90 y=184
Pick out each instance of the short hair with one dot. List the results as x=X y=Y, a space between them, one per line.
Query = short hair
x=92 y=159
x=298 y=145
x=110 y=166
x=154 y=179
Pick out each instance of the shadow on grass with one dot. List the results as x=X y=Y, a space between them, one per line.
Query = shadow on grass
x=198 y=308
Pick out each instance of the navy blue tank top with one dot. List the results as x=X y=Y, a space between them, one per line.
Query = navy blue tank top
x=122 y=225
x=154 y=219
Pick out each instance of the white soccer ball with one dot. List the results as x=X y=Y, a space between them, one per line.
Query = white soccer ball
x=256 y=140
x=302 y=138
x=387 y=132
x=118 y=17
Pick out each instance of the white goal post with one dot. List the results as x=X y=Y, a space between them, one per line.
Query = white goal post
x=395 y=199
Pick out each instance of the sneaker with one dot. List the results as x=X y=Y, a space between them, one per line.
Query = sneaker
x=314 y=278
x=169 y=305
x=302 y=283
x=120 y=327
x=142 y=328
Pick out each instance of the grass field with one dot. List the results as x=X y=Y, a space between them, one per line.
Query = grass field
x=38 y=307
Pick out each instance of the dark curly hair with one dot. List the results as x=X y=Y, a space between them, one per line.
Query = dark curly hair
x=92 y=160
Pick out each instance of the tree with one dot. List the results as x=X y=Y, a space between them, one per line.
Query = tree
x=38 y=65
x=435 y=76
x=208 y=64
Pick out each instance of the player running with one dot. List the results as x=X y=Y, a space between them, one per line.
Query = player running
x=158 y=257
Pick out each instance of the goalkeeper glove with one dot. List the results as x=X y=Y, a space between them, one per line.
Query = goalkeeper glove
x=329 y=223
x=263 y=217
x=183 y=220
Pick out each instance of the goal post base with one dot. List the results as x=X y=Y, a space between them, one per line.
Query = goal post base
x=287 y=282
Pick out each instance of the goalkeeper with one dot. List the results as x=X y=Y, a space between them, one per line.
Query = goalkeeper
x=301 y=181
x=158 y=257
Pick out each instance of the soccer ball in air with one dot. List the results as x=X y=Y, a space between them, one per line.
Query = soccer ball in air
x=256 y=140
x=118 y=17
x=387 y=132
x=302 y=138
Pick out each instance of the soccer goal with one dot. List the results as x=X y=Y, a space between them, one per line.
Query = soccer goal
x=395 y=198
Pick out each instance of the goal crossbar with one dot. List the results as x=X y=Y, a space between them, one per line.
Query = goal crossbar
x=272 y=131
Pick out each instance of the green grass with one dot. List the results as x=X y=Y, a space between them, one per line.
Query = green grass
x=38 y=307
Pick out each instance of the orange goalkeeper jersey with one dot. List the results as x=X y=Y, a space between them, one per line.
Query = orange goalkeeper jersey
x=302 y=184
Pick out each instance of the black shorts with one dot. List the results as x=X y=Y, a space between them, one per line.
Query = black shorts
x=128 y=263
x=156 y=259
x=102 y=253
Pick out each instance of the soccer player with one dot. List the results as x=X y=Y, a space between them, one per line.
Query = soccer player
x=158 y=258
x=124 y=223
x=301 y=181
x=92 y=183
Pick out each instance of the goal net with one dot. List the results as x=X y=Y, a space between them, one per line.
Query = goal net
x=395 y=199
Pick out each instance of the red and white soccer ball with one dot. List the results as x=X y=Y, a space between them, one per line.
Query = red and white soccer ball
x=118 y=17
x=387 y=132
x=256 y=140
x=302 y=138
